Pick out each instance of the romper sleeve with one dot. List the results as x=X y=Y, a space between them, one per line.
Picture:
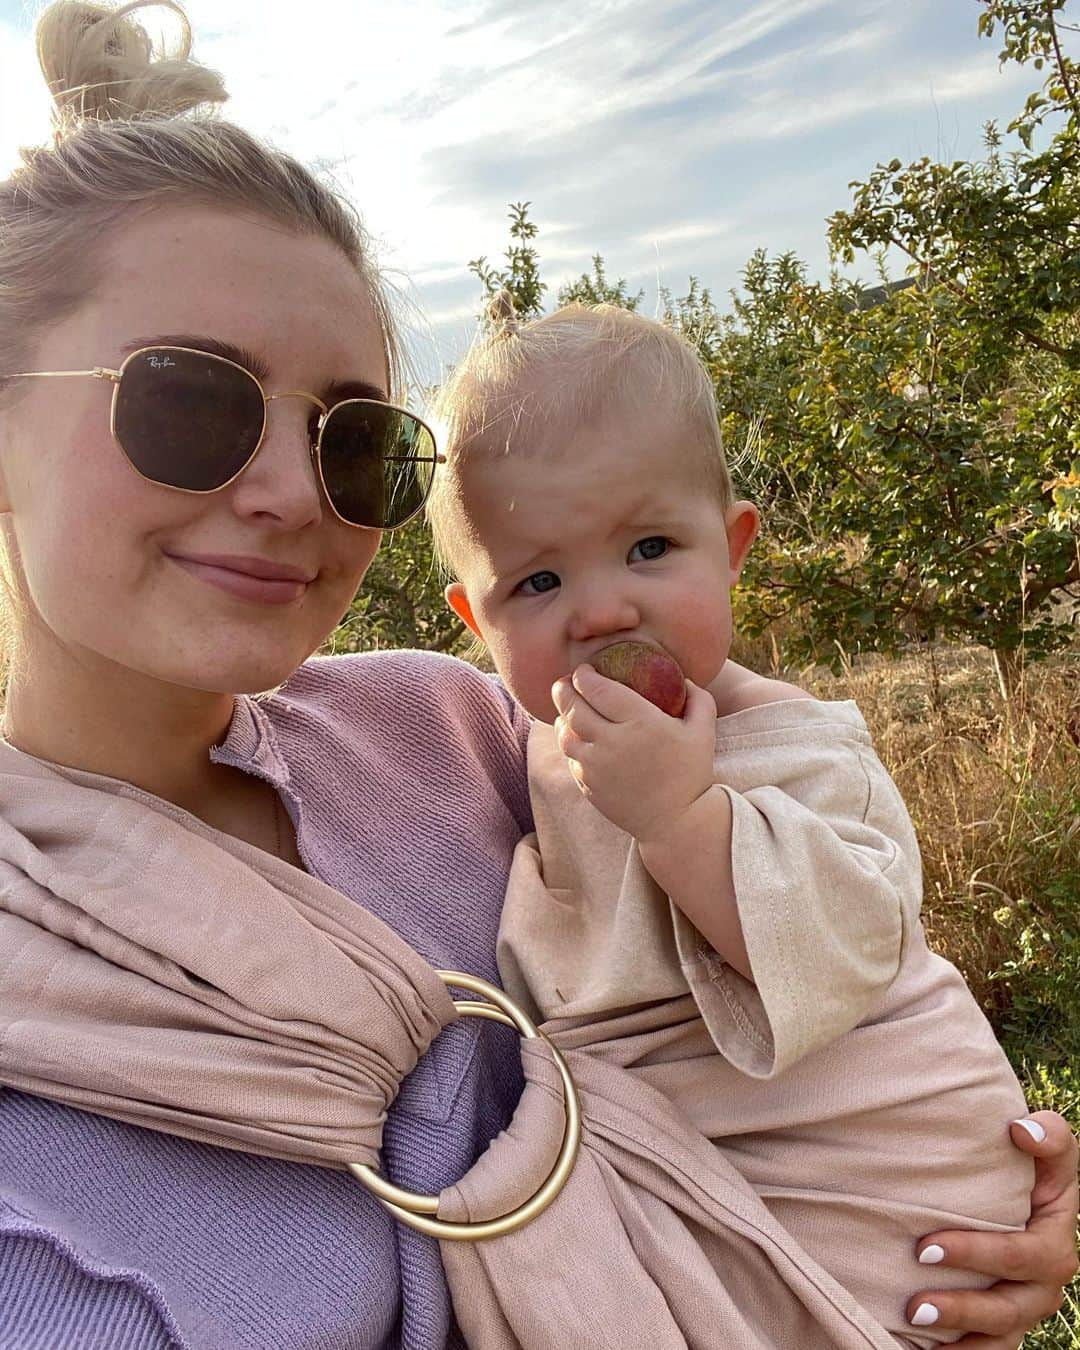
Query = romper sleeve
x=828 y=882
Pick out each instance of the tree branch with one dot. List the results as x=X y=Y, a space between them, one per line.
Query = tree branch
x=1037 y=594
x=1063 y=69
x=1044 y=344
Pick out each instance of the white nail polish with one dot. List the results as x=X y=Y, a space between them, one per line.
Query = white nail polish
x=1033 y=1128
x=930 y=1256
x=925 y=1315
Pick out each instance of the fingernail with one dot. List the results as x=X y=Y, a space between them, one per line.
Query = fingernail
x=1033 y=1128
x=925 y=1315
x=930 y=1256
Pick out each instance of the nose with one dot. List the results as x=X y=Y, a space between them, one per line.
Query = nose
x=602 y=610
x=280 y=486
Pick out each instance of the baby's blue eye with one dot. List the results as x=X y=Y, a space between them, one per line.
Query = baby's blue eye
x=539 y=583
x=646 y=549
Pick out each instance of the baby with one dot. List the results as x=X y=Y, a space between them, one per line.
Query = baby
x=750 y=858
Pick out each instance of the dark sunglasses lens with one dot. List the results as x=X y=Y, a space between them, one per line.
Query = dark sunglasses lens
x=186 y=419
x=377 y=463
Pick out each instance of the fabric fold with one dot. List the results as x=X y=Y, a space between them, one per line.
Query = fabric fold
x=655 y=1240
x=171 y=976
x=816 y=867
x=856 y=1088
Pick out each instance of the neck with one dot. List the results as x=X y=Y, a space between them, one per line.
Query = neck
x=110 y=720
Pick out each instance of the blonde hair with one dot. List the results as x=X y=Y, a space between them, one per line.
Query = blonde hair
x=134 y=128
x=523 y=387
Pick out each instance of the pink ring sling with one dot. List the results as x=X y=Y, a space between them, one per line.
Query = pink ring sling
x=167 y=975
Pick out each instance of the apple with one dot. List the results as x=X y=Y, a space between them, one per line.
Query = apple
x=648 y=670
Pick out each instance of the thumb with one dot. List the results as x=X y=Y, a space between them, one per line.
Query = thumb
x=700 y=710
x=1050 y=1141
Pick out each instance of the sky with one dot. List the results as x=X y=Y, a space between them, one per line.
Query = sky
x=672 y=137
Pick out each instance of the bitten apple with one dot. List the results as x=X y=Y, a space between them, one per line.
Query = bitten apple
x=647 y=670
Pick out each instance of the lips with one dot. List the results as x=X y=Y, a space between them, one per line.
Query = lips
x=263 y=568
x=258 y=581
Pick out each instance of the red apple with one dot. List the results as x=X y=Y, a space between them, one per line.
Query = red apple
x=647 y=670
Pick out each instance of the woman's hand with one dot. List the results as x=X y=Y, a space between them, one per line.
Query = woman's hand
x=1031 y=1268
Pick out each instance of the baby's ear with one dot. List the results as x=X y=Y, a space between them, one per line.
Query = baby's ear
x=459 y=603
x=742 y=526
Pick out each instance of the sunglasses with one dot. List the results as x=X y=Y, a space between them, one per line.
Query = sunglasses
x=193 y=421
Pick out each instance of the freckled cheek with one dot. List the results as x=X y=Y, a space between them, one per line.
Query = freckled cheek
x=41 y=457
x=87 y=515
x=86 y=466
x=86 y=539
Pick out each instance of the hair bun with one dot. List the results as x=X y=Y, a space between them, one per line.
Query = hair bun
x=502 y=314
x=101 y=65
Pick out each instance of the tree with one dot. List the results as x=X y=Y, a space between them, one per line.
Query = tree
x=401 y=602
x=521 y=275
x=920 y=449
x=915 y=445
x=593 y=288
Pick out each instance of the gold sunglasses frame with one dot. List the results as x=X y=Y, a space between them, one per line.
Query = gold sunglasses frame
x=114 y=377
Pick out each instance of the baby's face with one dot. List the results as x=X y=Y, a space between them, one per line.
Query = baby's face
x=617 y=535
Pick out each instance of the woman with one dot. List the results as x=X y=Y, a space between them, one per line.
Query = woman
x=173 y=261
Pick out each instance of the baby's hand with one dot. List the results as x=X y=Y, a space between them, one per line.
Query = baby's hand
x=639 y=767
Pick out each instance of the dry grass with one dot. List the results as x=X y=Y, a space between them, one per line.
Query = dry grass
x=994 y=791
x=991 y=790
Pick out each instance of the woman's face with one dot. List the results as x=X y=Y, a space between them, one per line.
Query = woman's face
x=114 y=569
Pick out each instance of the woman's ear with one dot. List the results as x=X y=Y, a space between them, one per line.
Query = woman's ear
x=459 y=603
x=741 y=523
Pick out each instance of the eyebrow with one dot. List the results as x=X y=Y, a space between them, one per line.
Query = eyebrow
x=643 y=518
x=339 y=390
x=524 y=567
x=334 y=392
x=251 y=362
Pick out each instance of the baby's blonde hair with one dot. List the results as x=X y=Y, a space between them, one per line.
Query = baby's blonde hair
x=134 y=130
x=523 y=388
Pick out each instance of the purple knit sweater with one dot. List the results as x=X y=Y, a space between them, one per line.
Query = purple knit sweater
x=404 y=774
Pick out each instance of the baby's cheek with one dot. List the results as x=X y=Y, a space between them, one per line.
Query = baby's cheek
x=529 y=672
x=704 y=638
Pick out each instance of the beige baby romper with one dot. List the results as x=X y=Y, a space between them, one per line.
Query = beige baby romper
x=855 y=1085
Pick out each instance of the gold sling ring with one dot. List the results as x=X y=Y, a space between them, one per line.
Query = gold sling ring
x=418 y=1211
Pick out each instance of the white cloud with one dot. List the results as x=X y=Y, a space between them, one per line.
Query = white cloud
x=649 y=132
x=24 y=100
x=767 y=120
x=681 y=233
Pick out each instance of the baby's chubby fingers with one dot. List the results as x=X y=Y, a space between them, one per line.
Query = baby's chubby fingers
x=614 y=701
x=563 y=695
x=577 y=729
x=700 y=711
x=576 y=717
x=619 y=702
